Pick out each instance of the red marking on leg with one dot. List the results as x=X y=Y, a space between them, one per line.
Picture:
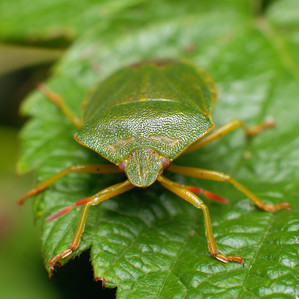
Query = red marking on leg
x=82 y=201
x=215 y=197
x=208 y=194
x=60 y=213
x=195 y=189
x=67 y=209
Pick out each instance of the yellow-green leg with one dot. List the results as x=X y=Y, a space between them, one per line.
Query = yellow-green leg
x=230 y=126
x=92 y=201
x=59 y=101
x=84 y=168
x=222 y=177
x=184 y=193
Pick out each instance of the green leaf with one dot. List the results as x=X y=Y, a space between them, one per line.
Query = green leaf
x=54 y=20
x=150 y=243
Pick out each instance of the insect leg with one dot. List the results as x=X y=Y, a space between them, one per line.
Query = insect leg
x=93 y=200
x=230 y=126
x=222 y=177
x=59 y=101
x=86 y=168
x=198 y=203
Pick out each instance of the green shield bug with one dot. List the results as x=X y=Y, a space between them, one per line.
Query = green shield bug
x=141 y=118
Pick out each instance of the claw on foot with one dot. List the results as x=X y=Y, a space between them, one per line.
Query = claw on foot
x=261 y=127
x=102 y=279
x=55 y=260
x=274 y=208
x=29 y=194
x=226 y=259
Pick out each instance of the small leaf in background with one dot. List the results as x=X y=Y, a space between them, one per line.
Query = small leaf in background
x=150 y=243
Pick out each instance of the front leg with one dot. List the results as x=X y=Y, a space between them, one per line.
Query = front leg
x=60 y=102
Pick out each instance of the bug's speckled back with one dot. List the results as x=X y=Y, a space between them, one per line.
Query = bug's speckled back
x=165 y=106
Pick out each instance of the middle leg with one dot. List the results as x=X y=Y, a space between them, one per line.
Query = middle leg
x=222 y=177
x=83 y=168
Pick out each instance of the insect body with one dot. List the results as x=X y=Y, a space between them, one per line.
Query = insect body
x=147 y=117
x=141 y=118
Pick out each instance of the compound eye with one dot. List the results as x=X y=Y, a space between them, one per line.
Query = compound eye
x=165 y=162
x=122 y=165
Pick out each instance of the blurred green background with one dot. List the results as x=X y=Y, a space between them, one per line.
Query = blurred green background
x=23 y=64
